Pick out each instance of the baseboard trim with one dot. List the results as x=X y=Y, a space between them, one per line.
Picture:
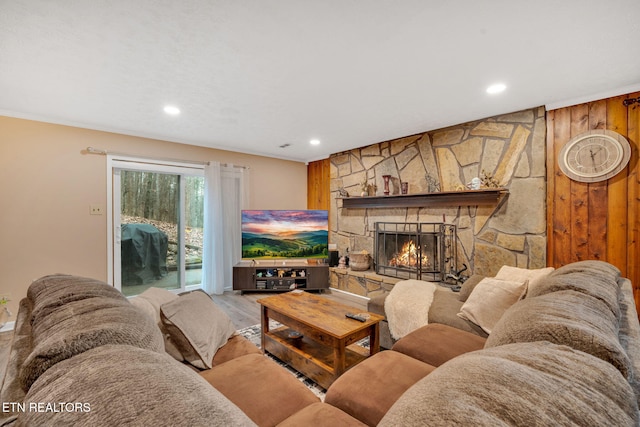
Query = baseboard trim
x=9 y=326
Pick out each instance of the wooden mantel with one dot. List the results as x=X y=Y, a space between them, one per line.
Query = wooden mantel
x=486 y=196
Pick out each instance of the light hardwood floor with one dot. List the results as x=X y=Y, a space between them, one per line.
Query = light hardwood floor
x=243 y=310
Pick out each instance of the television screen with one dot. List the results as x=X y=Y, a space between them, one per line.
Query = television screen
x=277 y=234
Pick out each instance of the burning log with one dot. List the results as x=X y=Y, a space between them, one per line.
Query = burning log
x=409 y=256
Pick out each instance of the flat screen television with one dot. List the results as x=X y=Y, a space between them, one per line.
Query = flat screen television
x=284 y=234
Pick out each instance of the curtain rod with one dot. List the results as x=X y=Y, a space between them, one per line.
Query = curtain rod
x=99 y=151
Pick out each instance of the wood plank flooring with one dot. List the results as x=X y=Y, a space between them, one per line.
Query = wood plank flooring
x=242 y=309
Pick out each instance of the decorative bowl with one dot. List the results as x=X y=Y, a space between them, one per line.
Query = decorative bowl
x=359 y=262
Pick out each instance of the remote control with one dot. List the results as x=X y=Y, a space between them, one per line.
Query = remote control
x=355 y=317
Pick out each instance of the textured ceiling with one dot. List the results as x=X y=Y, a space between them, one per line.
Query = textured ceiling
x=254 y=75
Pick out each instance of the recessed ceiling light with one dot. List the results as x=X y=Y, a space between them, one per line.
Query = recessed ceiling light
x=314 y=142
x=172 y=110
x=496 y=88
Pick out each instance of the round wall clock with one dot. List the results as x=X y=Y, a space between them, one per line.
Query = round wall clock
x=594 y=156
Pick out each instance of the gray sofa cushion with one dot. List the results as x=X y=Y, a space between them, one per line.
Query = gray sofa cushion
x=445 y=308
x=595 y=278
x=80 y=325
x=125 y=385
x=595 y=266
x=53 y=291
x=519 y=384
x=150 y=301
x=564 y=317
x=468 y=286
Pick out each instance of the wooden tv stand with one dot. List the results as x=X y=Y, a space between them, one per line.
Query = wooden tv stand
x=279 y=275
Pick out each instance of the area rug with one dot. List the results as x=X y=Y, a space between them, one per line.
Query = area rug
x=252 y=333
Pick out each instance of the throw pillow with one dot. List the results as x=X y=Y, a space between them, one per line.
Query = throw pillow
x=518 y=274
x=489 y=300
x=197 y=326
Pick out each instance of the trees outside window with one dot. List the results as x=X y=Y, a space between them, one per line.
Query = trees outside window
x=157 y=225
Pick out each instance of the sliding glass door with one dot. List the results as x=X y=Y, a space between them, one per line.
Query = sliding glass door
x=157 y=226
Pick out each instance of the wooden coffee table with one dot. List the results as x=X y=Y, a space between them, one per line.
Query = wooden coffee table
x=327 y=347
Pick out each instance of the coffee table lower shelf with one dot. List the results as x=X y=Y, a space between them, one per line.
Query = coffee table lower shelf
x=309 y=357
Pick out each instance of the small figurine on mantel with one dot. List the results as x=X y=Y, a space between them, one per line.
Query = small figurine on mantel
x=364 y=186
x=488 y=180
x=342 y=262
x=432 y=185
x=474 y=184
x=368 y=189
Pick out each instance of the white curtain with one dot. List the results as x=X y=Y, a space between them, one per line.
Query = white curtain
x=225 y=197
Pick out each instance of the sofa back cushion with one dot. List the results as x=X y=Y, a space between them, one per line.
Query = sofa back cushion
x=150 y=302
x=468 y=286
x=518 y=384
x=66 y=325
x=117 y=385
x=49 y=292
x=564 y=317
x=445 y=309
x=595 y=278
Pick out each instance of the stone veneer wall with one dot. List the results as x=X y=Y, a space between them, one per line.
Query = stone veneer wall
x=510 y=147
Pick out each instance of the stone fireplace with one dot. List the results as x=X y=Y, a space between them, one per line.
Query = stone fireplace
x=511 y=149
x=424 y=251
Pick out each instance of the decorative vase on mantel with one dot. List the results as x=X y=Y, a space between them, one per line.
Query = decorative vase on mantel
x=386 y=184
x=360 y=261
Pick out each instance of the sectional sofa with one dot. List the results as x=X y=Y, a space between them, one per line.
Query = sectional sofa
x=565 y=354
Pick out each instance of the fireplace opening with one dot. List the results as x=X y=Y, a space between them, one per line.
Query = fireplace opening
x=424 y=251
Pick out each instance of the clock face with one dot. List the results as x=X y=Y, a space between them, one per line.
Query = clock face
x=594 y=156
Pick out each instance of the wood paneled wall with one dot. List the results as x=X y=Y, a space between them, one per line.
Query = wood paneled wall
x=597 y=220
x=318 y=185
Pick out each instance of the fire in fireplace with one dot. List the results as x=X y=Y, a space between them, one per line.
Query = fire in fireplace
x=424 y=251
x=409 y=257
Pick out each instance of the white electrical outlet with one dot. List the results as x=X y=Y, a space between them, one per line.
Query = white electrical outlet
x=95 y=209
